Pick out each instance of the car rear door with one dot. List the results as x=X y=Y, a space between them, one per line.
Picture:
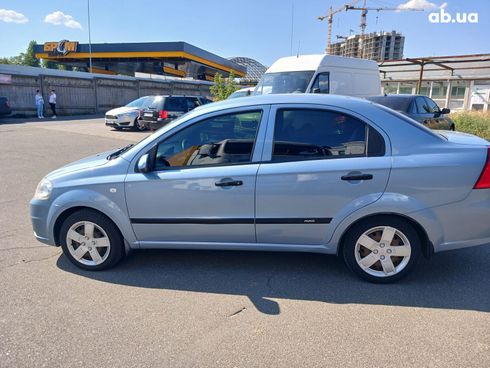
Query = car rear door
x=319 y=165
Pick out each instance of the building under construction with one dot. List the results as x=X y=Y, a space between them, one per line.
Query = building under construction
x=378 y=46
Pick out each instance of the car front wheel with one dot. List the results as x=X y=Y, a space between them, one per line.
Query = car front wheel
x=91 y=240
x=382 y=249
x=138 y=126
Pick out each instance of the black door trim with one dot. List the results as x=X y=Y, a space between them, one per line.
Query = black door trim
x=223 y=221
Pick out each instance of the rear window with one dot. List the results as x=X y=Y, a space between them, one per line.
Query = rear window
x=395 y=103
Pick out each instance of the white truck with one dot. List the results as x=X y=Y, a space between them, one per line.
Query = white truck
x=321 y=74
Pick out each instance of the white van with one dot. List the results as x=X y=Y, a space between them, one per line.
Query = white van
x=321 y=74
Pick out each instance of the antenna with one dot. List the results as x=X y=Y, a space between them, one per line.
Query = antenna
x=299 y=44
x=292 y=28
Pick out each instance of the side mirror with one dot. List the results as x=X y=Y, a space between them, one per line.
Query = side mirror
x=445 y=111
x=315 y=90
x=144 y=164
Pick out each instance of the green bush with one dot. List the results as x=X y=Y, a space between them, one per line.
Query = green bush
x=473 y=122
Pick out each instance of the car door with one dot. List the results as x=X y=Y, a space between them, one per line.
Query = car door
x=438 y=121
x=317 y=168
x=202 y=185
x=423 y=113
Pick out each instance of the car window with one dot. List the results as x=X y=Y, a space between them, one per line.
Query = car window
x=422 y=107
x=397 y=103
x=176 y=104
x=192 y=103
x=431 y=105
x=139 y=103
x=301 y=134
x=321 y=83
x=156 y=103
x=224 y=139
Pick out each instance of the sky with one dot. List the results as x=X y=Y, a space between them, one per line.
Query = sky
x=261 y=29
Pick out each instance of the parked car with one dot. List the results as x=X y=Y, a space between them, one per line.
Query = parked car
x=128 y=116
x=164 y=109
x=313 y=173
x=5 y=108
x=324 y=74
x=418 y=107
x=242 y=92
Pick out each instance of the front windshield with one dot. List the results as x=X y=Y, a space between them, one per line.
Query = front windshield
x=284 y=82
x=140 y=102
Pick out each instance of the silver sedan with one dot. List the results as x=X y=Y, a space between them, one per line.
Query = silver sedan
x=306 y=173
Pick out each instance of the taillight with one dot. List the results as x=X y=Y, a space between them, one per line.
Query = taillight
x=163 y=114
x=484 y=179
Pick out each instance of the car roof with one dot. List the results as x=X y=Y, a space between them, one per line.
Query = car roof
x=291 y=98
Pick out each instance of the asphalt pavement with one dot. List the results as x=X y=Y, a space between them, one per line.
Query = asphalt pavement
x=175 y=308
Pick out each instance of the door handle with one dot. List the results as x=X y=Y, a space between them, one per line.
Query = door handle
x=357 y=177
x=228 y=183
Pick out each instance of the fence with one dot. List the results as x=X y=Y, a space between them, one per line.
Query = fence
x=83 y=93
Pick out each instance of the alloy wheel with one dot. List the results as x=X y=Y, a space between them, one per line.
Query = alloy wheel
x=383 y=251
x=88 y=243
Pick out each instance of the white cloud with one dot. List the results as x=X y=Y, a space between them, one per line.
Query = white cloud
x=59 y=18
x=11 y=16
x=420 y=4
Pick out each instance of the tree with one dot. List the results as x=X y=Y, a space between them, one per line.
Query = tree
x=24 y=58
x=29 y=58
x=223 y=87
x=48 y=64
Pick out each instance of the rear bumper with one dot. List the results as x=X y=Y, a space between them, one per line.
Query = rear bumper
x=461 y=225
x=154 y=124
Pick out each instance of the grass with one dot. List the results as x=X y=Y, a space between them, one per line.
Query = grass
x=477 y=123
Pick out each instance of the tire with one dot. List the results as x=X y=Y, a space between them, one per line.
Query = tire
x=81 y=241
x=374 y=260
x=137 y=126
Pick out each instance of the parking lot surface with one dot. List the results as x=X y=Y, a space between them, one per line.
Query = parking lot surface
x=216 y=309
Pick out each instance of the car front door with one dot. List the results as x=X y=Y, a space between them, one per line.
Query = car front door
x=438 y=121
x=317 y=168
x=202 y=185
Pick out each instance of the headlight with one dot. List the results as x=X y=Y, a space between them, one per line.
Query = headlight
x=44 y=189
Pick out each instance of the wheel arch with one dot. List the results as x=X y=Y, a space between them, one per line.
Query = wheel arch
x=427 y=246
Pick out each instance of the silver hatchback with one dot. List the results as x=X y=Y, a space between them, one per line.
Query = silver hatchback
x=312 y=173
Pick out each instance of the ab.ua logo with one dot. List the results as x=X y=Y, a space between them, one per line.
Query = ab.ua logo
x=444 y=17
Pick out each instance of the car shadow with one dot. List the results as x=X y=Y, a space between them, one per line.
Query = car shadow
x=450 y=280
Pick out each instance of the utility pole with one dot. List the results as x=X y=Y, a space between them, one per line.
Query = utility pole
x=89 y=38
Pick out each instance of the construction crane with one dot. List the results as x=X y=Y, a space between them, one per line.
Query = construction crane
x=362 y=25
x=329 y=18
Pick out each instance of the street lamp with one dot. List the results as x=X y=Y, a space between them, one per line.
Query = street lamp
x=89 y=38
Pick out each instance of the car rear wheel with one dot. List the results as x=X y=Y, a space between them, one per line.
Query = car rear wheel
x=382 y=249
x=91 y=240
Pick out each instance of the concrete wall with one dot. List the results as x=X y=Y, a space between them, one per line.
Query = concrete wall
x=84 y=93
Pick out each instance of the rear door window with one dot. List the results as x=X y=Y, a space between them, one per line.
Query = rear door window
x=305 y=134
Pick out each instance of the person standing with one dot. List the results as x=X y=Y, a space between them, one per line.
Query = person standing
x=39 y=100
x=52 y=102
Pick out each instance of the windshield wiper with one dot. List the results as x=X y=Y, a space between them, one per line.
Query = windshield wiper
x=119 y=151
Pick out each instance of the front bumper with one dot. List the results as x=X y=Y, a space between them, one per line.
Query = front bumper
x=39 y=210
x=119 y=122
